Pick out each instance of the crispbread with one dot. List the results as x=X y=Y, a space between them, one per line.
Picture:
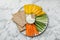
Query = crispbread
x=20 y=20
x=21 y=28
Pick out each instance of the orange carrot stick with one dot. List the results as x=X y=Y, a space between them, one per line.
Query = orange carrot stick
x=31 y=30
x=35 y=30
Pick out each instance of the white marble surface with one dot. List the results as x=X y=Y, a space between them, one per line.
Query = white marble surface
x=9 y=30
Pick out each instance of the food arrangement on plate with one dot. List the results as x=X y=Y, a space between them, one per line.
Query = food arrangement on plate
x=31 y=20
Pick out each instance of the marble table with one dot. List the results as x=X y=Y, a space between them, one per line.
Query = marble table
x=9 y=30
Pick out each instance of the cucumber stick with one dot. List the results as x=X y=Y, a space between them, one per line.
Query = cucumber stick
x=40 y=26
x=40 y=23
x=42 y=18
x=38 y=29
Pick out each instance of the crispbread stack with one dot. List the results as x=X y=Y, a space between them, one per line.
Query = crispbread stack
x=20 y=20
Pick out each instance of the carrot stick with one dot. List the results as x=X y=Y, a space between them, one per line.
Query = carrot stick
x=31 y=30
x=35 y=30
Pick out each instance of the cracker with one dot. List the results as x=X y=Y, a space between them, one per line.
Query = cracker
x=20 y=28
x=19 y=18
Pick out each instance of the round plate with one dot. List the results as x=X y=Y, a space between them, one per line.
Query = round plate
x=42 y=22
